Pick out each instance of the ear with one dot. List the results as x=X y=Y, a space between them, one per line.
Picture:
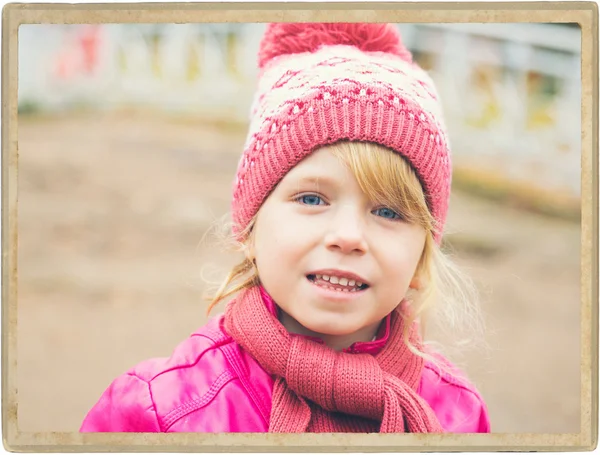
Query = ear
x=415 y=283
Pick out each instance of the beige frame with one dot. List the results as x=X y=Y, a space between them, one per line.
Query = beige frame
x=583 y=13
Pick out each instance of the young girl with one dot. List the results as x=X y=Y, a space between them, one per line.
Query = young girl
x=339 y=206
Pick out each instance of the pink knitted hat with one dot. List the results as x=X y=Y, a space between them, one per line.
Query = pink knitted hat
x=322 y=83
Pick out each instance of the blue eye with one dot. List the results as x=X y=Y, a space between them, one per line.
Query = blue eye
x=310 y=199
x=384 y=212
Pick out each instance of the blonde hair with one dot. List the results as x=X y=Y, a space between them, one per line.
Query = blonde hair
x=447 y=296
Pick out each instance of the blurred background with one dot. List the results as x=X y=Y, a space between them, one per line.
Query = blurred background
x=129 y=138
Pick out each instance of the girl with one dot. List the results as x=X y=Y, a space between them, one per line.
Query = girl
x=339 y=206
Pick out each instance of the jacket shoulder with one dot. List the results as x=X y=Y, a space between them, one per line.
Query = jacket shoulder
x=207 y=340
x=160 y=394
x=456 y=401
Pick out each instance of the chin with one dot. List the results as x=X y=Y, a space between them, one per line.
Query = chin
x=331 y=329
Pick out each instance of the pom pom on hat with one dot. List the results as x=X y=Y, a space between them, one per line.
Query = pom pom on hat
x=286 y=38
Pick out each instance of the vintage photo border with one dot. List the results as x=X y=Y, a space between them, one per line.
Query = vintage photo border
x=583 y=13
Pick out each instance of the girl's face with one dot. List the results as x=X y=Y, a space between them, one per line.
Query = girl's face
x=318 y=225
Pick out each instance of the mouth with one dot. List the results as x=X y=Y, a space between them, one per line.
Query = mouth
x=340 y=284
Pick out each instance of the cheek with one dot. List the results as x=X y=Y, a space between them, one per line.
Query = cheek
x=281 y=238
x=282 y=226
x=402 y=260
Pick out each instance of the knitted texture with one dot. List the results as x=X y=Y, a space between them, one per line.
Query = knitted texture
x=281 y=39
x=321 y=94
x=317 y=389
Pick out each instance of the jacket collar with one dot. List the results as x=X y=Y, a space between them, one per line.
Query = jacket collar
x=360 y=347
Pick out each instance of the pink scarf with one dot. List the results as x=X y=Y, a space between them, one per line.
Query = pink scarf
x=319 y=390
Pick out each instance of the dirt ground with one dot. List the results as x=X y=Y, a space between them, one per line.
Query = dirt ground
x=112 y=209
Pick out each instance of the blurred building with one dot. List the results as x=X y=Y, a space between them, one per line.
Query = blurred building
x=511 y=92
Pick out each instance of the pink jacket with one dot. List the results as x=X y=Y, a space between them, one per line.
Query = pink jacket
x=210 y=384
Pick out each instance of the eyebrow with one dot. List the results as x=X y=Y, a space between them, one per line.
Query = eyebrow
x=321 y=180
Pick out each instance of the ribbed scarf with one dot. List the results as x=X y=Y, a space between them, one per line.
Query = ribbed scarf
x=317 y=389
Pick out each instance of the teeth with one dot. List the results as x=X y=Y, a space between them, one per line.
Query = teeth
x=340 y=281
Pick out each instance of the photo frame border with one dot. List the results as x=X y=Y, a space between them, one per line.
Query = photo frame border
x=583 y=13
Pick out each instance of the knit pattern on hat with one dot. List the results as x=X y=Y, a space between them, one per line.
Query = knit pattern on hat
x=317 y=389
x=289 y=38
x=341 y=92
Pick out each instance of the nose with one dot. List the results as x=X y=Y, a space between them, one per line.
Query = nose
x=346 y=232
